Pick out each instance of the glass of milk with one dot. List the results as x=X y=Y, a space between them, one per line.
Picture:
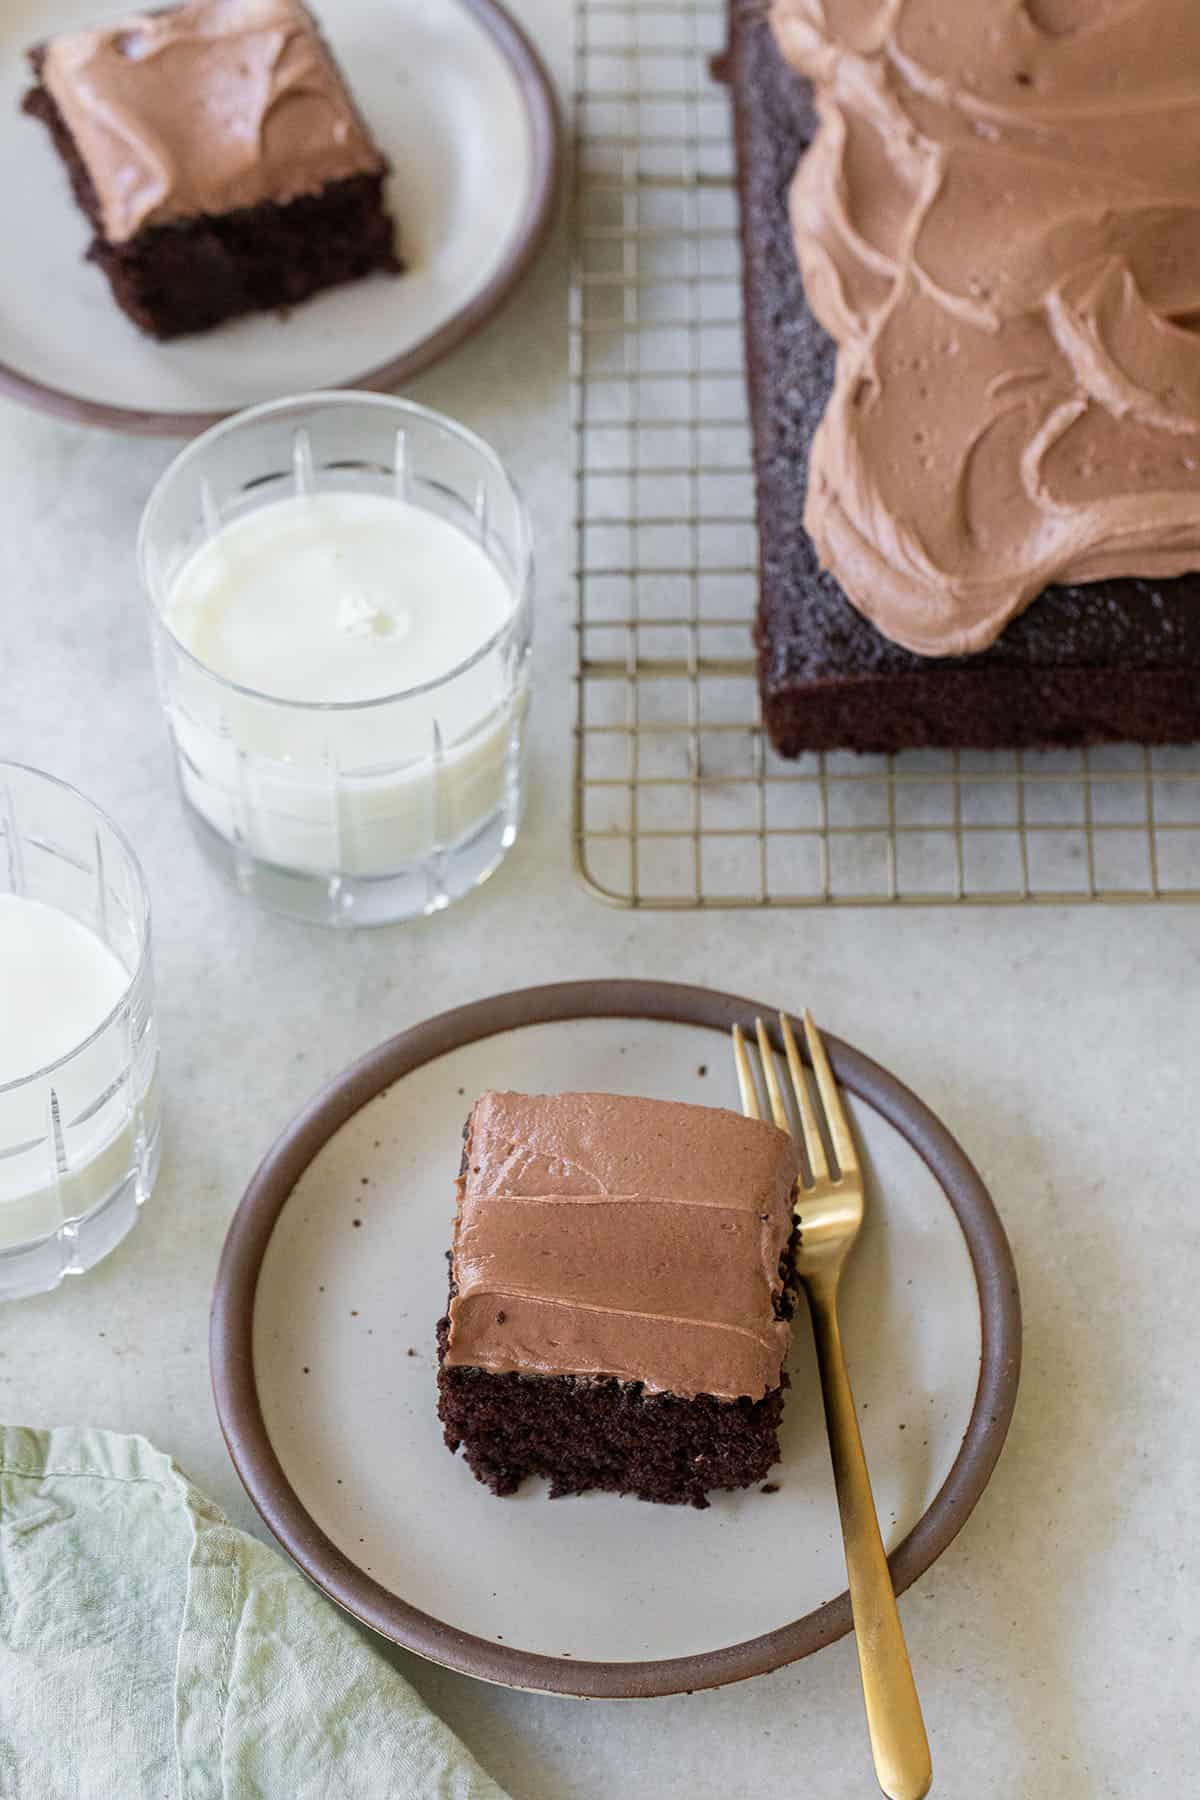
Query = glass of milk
x=79 y=1108
x=341 y=593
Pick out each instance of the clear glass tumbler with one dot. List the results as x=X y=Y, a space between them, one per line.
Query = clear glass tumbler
x=347 y=813
x=79 y=1138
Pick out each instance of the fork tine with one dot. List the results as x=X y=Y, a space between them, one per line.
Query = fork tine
x=813 y=1142
x=771 y=1077
x=835 y=1116
x=745 y=1076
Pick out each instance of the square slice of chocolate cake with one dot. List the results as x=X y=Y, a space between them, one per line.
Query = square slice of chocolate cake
x=620 y=1291
x=219 y=158
x=1115 y=658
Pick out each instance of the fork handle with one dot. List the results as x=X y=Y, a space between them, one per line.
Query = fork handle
x=899 y=1745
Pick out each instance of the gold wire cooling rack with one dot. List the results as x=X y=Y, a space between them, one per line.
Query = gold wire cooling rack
x=679 y=800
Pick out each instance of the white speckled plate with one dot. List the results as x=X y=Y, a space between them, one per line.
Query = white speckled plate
x=458 y=100
x=334 y=1276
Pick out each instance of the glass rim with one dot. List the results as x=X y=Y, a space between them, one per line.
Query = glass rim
x=143 y=955
x=320 y=399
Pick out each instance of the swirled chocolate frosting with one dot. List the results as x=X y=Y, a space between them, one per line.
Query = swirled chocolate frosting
x=205 y=108
x=999 y=224
x=599 y=1235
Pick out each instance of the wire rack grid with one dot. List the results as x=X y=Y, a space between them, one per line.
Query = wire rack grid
x=679 y=800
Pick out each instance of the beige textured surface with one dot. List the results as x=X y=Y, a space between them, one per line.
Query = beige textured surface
x=1057 y=1642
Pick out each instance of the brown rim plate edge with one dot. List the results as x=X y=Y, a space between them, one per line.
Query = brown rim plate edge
x=232 y=1323
x=532 y=230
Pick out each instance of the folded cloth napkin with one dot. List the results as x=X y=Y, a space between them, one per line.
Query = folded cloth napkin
x=148 y=1650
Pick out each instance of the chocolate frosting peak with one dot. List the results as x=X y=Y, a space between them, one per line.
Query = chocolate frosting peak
x=208 y=107
x=999 y=224
x=601 y=1235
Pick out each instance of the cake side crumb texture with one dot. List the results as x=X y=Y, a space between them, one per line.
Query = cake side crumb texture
x=606 y=1435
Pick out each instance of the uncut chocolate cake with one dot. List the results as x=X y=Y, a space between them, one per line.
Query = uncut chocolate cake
x=620 y=1291
x=971 y=258
x=218 y=157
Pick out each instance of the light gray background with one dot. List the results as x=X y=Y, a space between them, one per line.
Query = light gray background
x=1057 y=1644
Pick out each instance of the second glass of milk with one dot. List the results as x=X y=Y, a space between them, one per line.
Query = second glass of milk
x=341 y=592
x=79 y=1105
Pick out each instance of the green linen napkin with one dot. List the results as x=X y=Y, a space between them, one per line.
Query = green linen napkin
x=149 y=1650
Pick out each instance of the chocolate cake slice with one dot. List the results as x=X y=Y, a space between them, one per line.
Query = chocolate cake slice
x=620 y=1291
x=218 y=157
x=1110 y=660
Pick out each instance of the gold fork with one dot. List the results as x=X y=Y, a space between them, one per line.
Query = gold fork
x=830 y=1210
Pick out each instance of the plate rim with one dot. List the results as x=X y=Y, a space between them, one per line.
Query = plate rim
x=341 y=1580
x=533 y=227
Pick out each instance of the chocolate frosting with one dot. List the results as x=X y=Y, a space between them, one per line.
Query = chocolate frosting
x=999 y=223
x=601 y=1235
x=208 y=107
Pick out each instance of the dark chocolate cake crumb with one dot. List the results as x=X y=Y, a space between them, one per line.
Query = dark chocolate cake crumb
x=583 y=1434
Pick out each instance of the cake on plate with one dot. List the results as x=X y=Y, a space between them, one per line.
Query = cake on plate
x=219 y=158
x=620 y=1296
x=971 y=257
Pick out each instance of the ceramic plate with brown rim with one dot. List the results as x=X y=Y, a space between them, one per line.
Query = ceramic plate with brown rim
x=457 y=98
x=334 y=1275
